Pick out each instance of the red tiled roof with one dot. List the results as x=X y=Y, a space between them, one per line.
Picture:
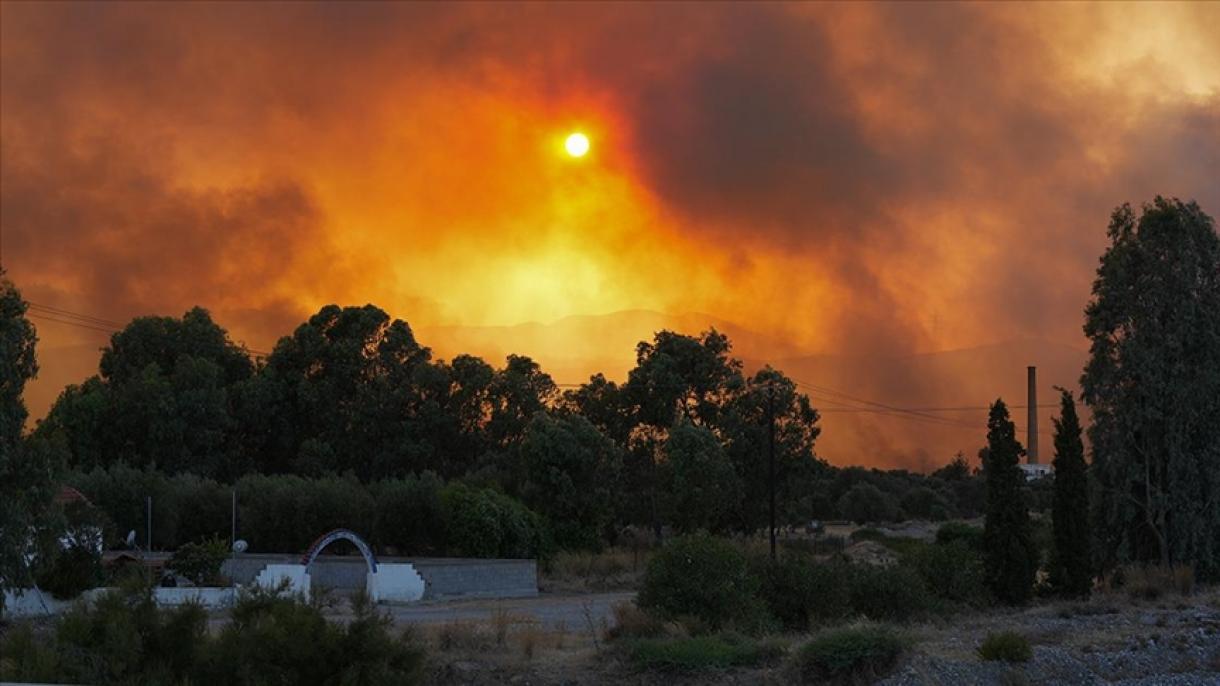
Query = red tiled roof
x=67 y=494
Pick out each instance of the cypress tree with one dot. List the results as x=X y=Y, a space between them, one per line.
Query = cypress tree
x=1070 y=565
x=1009 y=555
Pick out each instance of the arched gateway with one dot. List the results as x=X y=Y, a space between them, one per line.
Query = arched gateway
x=326 y=539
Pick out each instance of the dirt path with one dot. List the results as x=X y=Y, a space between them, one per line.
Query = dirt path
x=575 y=613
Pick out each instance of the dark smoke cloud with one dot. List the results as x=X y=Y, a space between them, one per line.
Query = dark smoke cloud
x=941 y=172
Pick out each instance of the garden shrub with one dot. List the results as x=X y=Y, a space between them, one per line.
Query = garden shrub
x=924 y=503
x=866 y=503
x=714 y=651
x=889 y=593
x=71 y=571
x=285 y=513
x=950 y=532
x=200 y=562
x=28 y=655
x=409 y=515
x=123 y=638
x=850 y=655
x=702 y=577
x=485 y=523
x=632 y=622
x=952 y=571
x=1006 y=646
x=276 y=639
x=799 y=592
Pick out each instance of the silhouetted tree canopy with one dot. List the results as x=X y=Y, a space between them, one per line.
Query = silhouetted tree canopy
x=27 y=483
x=1010 y=558
x=1071 y=569
x=1153 y=385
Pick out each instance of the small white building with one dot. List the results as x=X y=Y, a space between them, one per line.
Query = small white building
x=1036 y=471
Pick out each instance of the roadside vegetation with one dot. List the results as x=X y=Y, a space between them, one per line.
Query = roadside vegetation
x=125 y=638
x=656 y=483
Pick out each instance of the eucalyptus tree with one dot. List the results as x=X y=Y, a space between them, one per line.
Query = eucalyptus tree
x=27 y=480
x=1153 y=384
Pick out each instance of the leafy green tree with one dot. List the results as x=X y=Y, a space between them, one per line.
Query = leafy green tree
x=700 y=485
x=164 y=340
x=957 y=469
x=745 y=426
x=27 y=481
x=925 y=503
x=346 y=375
x=1153 y=384
x=162 y=398
x=1071 y=570
x=571 y=477
x=604 y=403
x=866 y=503
x=517 y=393
x=17 y=362
x=1010 y=558
x=676 y=377
x=680 y=377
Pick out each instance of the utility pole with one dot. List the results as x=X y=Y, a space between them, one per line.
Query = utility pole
x=148 y=524
x=233 y=519
x=771 y=459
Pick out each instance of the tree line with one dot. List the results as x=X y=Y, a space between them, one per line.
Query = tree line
x=682 y=442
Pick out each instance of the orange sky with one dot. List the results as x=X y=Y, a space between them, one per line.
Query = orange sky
x=844 y=178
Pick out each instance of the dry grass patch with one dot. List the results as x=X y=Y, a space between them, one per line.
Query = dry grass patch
x=632 y=622
x=612 y=569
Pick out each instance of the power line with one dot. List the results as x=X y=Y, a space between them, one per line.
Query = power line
x=106 y=326
x=823 y=394
x=73 y=315
x=82 y=325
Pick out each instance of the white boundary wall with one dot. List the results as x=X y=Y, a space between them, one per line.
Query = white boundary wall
x=395 y=583
x=273 y=575
x=32 y=602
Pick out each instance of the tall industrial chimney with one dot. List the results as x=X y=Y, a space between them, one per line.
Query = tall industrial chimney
x=1031 y=427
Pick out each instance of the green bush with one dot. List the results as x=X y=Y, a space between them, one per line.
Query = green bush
x=715 y=651
x=200 y=562
x=851 y=655
x=924 y=503
x=126 y=639
x=889 y=593
x=72 y=571
x=972 y=536
x=486 y=523
x=409 y=515
x=867 y=503
x=799 y=592
x=705 y=578
x=952 y=571
x=284 y=513
x=276 y=639
x=1007 y=646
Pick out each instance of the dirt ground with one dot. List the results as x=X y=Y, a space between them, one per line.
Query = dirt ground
x=547 y=612
x=554 y=640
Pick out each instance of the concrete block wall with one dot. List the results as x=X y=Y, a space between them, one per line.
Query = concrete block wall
x=275 y=574
x=478 y=578
x=443 y=577
x=396 y=583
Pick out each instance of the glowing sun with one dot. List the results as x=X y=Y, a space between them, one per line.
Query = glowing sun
x=577 y=144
